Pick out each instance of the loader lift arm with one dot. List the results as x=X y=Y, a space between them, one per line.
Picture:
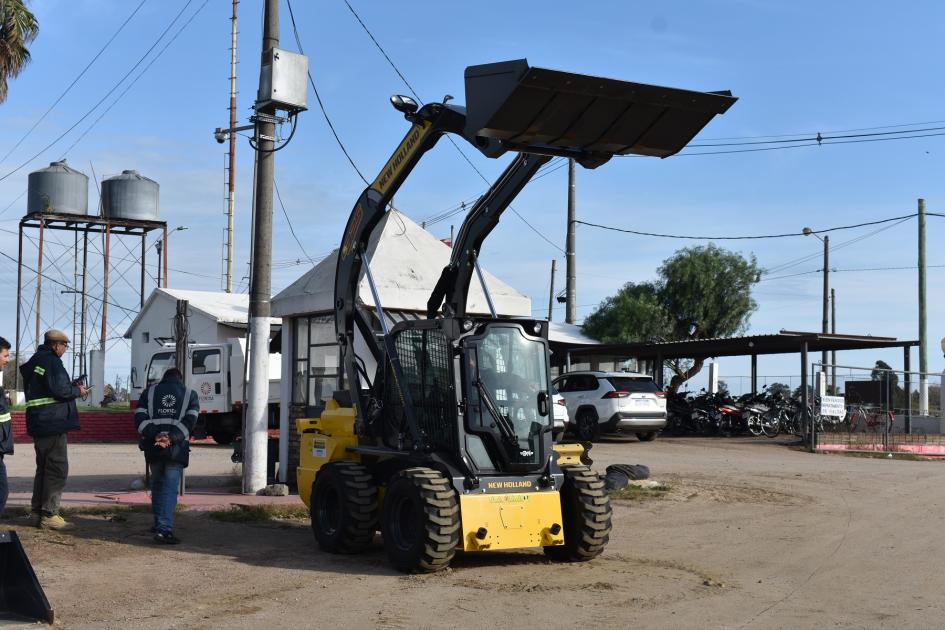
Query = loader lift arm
x=536 y=112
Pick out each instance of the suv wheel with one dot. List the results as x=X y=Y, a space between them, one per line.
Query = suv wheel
x=647 y=436
x=586 y=426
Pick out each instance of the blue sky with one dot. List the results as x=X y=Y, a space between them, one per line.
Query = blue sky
x=798 y=67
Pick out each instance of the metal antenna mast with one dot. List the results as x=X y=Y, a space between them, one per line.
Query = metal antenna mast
x=231 y=167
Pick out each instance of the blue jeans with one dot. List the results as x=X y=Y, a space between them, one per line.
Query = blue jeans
x=165 y=480
x=4 y=489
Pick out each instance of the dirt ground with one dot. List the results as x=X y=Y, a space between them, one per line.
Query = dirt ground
x=753 y=534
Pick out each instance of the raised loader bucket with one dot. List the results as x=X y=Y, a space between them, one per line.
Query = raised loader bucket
x=511 y=106
x=21 y=596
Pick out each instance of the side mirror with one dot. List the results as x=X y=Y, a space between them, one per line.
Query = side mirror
x=543 y=403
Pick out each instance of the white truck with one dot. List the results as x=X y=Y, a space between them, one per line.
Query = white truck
x=215 y=372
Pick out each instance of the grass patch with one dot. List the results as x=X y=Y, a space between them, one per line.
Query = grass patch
x=118 y=513
x=641 y=493
x=259 y=513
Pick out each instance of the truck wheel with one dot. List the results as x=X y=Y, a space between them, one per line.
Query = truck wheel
x=223 y=437
x=343 y=507
x=420 y=521
x=586 y=511
x=586 y=426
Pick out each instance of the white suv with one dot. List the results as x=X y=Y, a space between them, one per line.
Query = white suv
x=607 y=401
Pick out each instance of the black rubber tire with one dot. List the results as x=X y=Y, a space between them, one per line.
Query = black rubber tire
x=586 y=427
x=343 y=507
x=586 y=511
x=420 y=522
x=647 y=436
x=223 y=438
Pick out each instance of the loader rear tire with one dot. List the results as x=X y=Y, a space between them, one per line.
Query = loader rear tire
x=344 y=507
x=586 y=511
x=420 y=522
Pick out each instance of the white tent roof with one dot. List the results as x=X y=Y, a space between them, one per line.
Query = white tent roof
x=569 y=333
x=406 y=262
x=225 y=308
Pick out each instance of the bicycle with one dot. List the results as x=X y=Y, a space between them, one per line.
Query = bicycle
x=871 y=420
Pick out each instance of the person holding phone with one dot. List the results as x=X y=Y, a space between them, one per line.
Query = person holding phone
x=50 y=414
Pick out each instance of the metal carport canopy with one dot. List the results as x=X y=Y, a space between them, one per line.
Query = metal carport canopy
x=785 y=342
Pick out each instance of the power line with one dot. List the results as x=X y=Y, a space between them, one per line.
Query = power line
x=10 y=205
x=74 y=81
x=289 y=221
x=814 y=133
x=102 y=100
x=808 y=144
x=461 y=207
x=383 y=52
x=743 y=238
x=835 y=248
x=853 y=269
x=298 y=43
x=448 y=136
x=65 y=286
x=818 y=138
x=141 y=74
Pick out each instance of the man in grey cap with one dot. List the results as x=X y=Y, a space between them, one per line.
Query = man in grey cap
x=50 y=413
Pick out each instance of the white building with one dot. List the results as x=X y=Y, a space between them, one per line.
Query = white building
x=406 y=261
x=213 y=317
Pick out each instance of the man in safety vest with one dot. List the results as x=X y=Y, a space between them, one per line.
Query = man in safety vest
x=6 y=429
x=50 y=413
x=166 y=414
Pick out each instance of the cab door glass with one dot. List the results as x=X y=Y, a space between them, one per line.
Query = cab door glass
x=160 y=363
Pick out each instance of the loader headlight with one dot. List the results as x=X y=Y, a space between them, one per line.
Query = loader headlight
x=403 y=104
x=467 y=325
x=537 y=328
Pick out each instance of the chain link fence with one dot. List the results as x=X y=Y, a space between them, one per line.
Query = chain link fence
x=875 y=409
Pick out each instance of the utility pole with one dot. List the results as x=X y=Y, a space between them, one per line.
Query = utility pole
x=833 y=330
x=823 y=327
x=231 y=169
x=255 y=436
x=923 y=333
x=551 y=289
x=181 y=335
x=571 y=288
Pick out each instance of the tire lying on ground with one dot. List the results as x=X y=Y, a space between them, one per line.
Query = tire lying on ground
x=619 y=475
x=586 y=511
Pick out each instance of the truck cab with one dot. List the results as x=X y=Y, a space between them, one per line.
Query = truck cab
x=215 y=372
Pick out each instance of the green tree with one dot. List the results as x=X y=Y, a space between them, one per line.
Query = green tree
x=700 y=293
x=779 y=388
x=18 y=28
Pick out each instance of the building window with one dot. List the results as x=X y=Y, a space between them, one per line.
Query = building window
x=314 y=360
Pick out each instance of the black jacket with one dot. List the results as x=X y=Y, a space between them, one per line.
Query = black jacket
x=48 y=386
x=6 y=426
x=167 y=407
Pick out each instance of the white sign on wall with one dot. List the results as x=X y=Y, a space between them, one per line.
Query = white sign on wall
x=833 y=406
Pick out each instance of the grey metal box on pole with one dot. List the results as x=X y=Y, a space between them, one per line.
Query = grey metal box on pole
x=283 y=81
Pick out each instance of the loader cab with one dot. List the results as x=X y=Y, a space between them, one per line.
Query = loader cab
x=479 y=392
x=506 y=396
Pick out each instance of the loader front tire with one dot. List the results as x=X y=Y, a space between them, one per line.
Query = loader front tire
x=586 y=511
x=420 y=522
x=344 y=507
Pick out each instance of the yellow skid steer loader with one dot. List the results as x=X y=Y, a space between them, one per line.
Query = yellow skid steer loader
x=448 y=445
